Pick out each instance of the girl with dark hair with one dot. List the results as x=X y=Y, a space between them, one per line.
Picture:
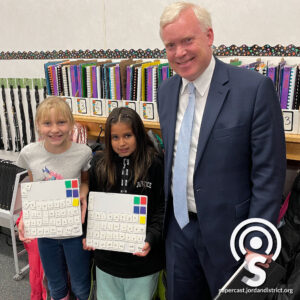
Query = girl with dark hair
x=130 y=164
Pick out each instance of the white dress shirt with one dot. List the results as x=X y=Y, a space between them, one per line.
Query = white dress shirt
x=202 y=84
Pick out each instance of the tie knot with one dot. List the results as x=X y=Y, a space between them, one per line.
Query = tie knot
x=191 y=88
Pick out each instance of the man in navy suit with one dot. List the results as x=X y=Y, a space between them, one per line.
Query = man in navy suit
x=237 y=164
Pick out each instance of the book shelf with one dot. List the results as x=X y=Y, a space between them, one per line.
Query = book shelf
x=93 y=126
x=286 y=63
x=292 y=146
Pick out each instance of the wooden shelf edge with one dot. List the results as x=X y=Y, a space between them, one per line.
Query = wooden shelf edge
x=102 y=120
x=292 y=138
x=93 y=123
x=293 y=157
x=90 y=119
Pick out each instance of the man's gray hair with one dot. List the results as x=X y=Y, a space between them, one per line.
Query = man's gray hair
x=172 y=12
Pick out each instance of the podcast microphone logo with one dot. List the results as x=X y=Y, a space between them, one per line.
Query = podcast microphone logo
x=255 y=243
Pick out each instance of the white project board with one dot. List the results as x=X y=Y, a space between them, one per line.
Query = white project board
x=117 y=222
x=51 y=208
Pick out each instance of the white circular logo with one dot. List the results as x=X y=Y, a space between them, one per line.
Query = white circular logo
x=256 y=241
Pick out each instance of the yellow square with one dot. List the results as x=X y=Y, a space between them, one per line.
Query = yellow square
x=75 y=202
x=142 y=220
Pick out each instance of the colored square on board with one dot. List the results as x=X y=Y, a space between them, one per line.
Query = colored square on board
x=68 y=184
x=143 y=200
x=136 y=200
x=74 y=184
x=142 y=220
x=75 y=202
x=75 y=193
x=143 y=210
x=136 y=210
x=69 y=193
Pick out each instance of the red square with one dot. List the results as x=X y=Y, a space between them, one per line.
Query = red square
x=144 y=200
x=74 y=184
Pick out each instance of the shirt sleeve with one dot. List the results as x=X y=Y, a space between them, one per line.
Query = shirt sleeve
x=88 y=158
x=22 y=160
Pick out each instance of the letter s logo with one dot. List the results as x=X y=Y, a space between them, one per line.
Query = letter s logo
x=260 y=274
x=238 y=237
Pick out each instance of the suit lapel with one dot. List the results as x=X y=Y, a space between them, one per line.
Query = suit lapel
x=172 y=102
x=215 y=99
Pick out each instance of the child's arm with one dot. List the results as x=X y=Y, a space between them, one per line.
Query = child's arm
x=21 y=223
x=92 y=186
x=84 y=190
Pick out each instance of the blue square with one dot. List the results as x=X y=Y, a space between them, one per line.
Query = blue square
x=75 y=194
x=136 y=210
x=143 y=210
x=69 y=193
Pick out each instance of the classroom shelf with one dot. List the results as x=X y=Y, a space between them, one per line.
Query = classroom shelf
x=292 y=146
x=93 y=124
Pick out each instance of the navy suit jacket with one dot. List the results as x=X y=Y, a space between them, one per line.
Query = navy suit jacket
x=240 y=163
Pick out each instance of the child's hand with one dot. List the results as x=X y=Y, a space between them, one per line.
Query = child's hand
x=83 y=204
x=85 y=247
x=146 y=249
x=21 y=232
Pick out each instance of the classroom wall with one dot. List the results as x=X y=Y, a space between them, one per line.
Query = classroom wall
x=31 y=25
x=116 y=24
x=47 y=25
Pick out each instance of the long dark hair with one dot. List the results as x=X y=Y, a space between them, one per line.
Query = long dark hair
x=142 y=157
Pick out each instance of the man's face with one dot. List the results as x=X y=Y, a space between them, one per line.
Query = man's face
x=188 y=46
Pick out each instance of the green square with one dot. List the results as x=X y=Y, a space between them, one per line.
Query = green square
x=68 y=184
x=20 y=82
x=28 y=82
x=44 y=82
x=11 y=82
x=37 y=82
x=3 y=81
x=136 y=200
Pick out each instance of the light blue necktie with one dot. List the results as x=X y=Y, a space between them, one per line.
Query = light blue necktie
x=181 y=162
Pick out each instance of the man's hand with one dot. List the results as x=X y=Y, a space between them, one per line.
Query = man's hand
x=251 y=254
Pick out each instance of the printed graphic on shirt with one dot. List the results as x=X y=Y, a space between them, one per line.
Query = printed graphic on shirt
x=144 y=184
x=124 y=176
x=51 y=175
